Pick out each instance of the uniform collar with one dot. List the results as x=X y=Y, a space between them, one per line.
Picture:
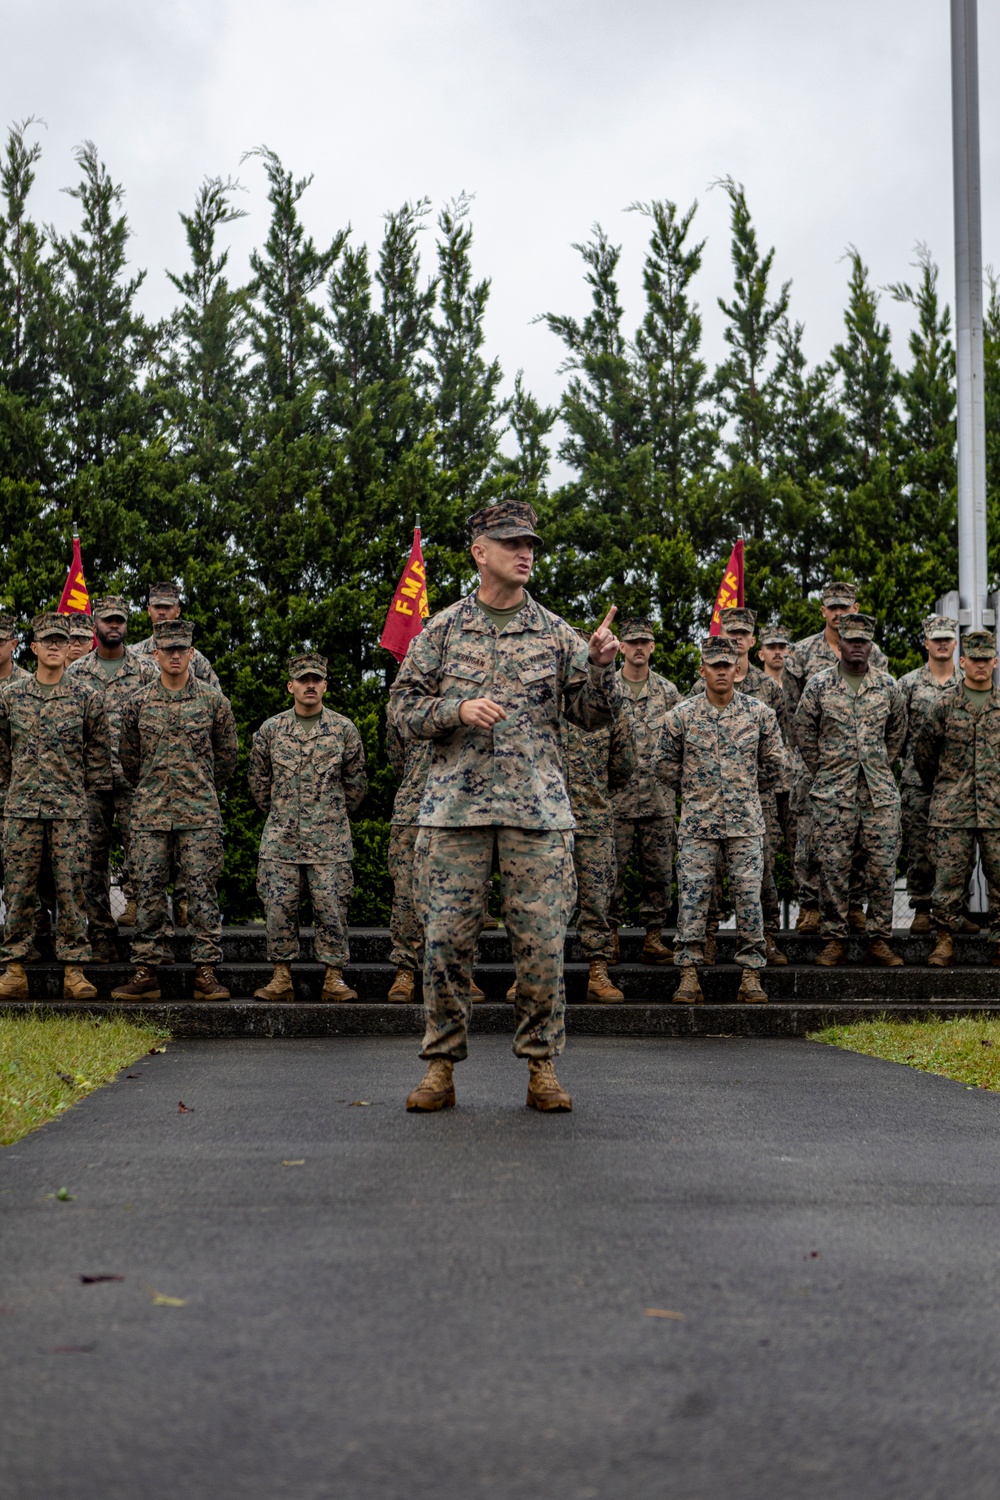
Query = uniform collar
x=527 y=618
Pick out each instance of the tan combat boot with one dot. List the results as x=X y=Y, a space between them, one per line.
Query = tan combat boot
x=436 y=1090
x=14 y=984
x=654 y=949
x=921 y=922
x=832 y=956
x=181 y=912
x=943 y=952
x=207 y=986
x=512 y=993
x=808 y=919
x=857 y=920
x=103 y=951
x=967 y=925
x=76 y=985
x=773 y=952
x=475 y=993
x=545 y=1092
x=751 y=989
x=688 y=992
x=278 y=987
x=143 y=985
x=599 y=986
x=879 y=952
x=334 y=987
x=403 y=986
x=127 y=918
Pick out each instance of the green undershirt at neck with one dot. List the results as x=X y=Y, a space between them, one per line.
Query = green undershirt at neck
x=309 y=721
x=636 y=688
x=977 y=696
x=500 y=617
x=48 y=688
x=111 y=665
x=853 y=680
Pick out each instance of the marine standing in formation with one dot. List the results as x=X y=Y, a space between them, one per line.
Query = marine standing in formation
x=956 y=752
x=115 y=673
x=644 y=810
x=178 y=747
x=486 y=681
x=850 y=726
x=55 y=759
x=307 y=772
x=81 y=637
x=721 y=748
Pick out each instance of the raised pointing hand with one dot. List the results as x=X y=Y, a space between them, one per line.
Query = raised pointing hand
x=604 y=644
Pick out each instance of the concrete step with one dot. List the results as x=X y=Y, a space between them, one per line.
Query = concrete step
x=371 y=945
x=256 y=1019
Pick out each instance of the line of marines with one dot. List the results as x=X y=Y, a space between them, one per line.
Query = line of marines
x=518 y=745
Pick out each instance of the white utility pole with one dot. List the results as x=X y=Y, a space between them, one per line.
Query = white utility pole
x=974 y=610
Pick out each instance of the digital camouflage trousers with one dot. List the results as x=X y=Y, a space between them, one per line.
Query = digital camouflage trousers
x=806 y=857
x=103 y=811
x=538 y=890
x=405 y=928
x=281 y=886
x=918 y=845
x=773 y=836
x=698 y=864
x=196 y=854
x=865 y=838
x=655 y=839
x=594 y=866
x=953 y=851
x=60 y=845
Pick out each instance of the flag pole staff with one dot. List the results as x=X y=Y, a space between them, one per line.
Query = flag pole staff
x=971 y=424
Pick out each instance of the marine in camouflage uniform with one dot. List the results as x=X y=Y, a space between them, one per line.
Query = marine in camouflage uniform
x=644 y=810
x=720 y=755
x=307 y=772
x=807 y=657
x=116 y=678
x=851 y=726
x=81 y=636
x=178 y=749
x=956 y=752
x=9 y=672
x=597 y=763
x=738 y=624
x=55 y=756
x=489 y=696
x=921 y=690
x=165 y=604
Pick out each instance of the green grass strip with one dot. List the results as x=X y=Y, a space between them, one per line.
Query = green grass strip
x=965 y=1048
x=48 y=1063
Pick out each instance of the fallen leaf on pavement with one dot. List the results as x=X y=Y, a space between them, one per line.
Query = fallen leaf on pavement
x=663 y=1312
x=160 y=1299
x=294 y=1163
x=90 y=1280
x=154 y=1050
x=65 y=1196
x=182 y=1108
x=355 y=1102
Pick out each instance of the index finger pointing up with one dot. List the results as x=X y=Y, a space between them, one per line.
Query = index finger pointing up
x=608 y=617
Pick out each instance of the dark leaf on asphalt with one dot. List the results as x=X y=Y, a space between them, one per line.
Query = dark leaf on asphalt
x=182 y=1109
x=813 y=1255
x=663 y=1312
x=65 y=1196
x=90 y=1280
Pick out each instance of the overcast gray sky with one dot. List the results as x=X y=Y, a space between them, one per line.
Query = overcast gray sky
x=554 y=113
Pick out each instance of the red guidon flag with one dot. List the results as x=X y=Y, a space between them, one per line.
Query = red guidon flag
x=75 y=599
x=730 y=595
x=408 y=609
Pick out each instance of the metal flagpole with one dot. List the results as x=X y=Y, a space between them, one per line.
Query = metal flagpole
x=974 y=611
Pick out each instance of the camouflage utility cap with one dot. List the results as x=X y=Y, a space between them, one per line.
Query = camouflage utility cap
x=110 y=606
x=844 y=594
x=632 y=628
x=857 y=628
x=508 y=519
x=738 y=618
x=774 y=635
x=8 y=626
x=164 y=593
x=940 y=628
x=81 y=625
x=173 y=633
x=718 y=648
x=50 y=623
x=979 y=645
x=307 y=663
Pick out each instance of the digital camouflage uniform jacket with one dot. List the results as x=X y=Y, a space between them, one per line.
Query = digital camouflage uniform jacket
x=55 y=749
x=16 y=673
x=722 y=759
x=921 y=692
x=308 y=782
x=957 y=751
x=535 y=668
x=757 y=684
x=410 y=761
x=200 y=665
x=177 y=750
x=131 y=675
x=840 y=733
x=646 y=795
x=597 y=762
x=812 y=655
